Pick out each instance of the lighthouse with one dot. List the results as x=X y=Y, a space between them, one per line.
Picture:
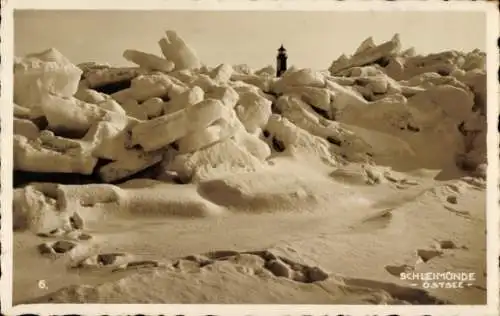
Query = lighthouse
x=281 y=61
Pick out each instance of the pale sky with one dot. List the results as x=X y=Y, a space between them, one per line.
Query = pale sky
x=313 y=39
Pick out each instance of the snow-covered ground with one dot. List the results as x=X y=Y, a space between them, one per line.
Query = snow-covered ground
x=177 y=182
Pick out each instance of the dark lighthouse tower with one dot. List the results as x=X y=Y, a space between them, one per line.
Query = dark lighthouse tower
x=281 y=61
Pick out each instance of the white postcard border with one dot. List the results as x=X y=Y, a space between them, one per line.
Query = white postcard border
x=6 y=113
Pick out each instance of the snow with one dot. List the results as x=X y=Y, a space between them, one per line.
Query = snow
x=45 y=155
x=253 y=111
x=96 y=77
x=43 y=73
x=368 y=56
x=303 y=183
x=176 y=50
x=222 y=73
x=148 y=61
x=183 y=100
x=162 y=131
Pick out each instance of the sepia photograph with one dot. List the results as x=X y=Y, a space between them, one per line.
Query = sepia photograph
x=250 y=157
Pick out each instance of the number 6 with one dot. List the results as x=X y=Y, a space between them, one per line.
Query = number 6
x=41 y=284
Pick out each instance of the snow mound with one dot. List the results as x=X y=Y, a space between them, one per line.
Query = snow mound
x=224 y=277
x=172 y=118
x=268 y=192
x=46 y=207
x=42 y=73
